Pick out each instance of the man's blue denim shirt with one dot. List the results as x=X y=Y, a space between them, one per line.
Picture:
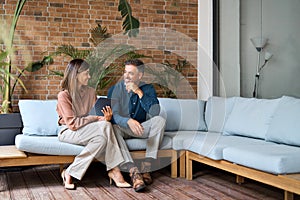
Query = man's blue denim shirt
x=128 y=105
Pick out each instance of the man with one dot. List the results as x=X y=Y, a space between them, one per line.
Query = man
x=135 y=113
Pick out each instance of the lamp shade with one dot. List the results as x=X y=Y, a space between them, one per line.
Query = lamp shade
x=268 y=55
x=259 y=42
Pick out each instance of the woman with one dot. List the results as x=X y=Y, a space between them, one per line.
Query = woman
x=95 y=133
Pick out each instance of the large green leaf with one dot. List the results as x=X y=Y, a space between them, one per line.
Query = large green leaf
x=130 y=24
x=35 y=66
x=19 y=7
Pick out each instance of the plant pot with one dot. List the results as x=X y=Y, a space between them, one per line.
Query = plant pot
x=10 y=125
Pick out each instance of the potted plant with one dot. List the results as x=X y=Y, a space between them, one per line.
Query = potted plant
x=11 y=123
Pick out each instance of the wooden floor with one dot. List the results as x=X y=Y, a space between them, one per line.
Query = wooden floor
x=44 y=182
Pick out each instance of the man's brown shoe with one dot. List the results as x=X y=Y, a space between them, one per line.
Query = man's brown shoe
x=137 y=180
x=145 y=169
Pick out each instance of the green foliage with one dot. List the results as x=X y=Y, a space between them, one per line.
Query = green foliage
x=6 y=65
x=3 y=71
x=94 y=57
x=100 y=67
x=19 y=7
x=35 y=66
x=134 y=55
x=3 y=56
x=99 y=34
x=168 y=77
x=130 y=24
x=6 y=77
x=69 y=50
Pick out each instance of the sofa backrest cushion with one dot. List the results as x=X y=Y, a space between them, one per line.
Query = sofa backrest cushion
x=183 y=114
x=39 y=117
x=250 y=117
x=217 y=112
x=169 y=110
x=285 y=125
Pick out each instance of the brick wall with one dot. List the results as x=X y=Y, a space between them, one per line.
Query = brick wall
x=168 y=32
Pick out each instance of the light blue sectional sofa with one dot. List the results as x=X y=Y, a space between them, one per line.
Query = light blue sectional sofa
x=253 y=138
x=257 y=133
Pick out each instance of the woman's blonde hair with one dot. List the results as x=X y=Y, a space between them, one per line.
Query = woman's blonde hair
x=69 y=81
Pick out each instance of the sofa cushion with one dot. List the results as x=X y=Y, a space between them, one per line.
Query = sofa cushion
x=217 y=112
x=208 y=144
x=192 y=115
x=199 y=142
x=49 y=145
x=39 y=117
x=183 y=114
x=141 y=144
x=250 y=117
x=169 y=110
x=268 y=157
x=285 y=126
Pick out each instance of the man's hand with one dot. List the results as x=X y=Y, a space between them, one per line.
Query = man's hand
x=130 y=86
x=134 y=88
x=135 y=127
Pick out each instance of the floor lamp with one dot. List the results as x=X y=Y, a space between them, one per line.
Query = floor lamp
x=259 y=43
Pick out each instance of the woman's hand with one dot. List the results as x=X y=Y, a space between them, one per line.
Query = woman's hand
x=107 y=113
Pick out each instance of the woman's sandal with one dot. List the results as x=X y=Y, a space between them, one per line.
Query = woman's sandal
x=117 y=182
x=68 y=186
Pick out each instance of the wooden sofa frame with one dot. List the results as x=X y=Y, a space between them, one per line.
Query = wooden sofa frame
x=290 y=183
x=10 y=156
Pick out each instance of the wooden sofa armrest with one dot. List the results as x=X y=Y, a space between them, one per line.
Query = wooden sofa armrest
x=11 y=152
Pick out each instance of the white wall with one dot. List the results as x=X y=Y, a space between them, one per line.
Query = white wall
x=205 y=60
x=280 y=22
x=239 y=21
x=229 y=57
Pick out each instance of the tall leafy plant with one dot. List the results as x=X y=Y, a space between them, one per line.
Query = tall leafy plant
x=9 y=79
x=4 y=76
x=6 y=63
